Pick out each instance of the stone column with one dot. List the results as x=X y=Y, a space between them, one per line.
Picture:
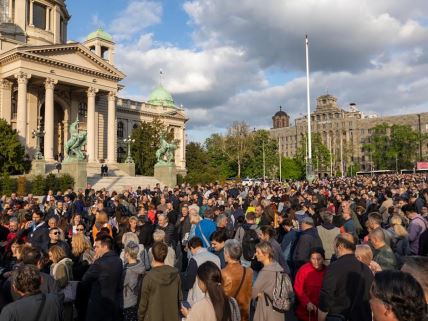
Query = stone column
x=49 y=119
x=31 y=13
x=111 y=128
x=21 y=118
x=90 y=125
x=6 y=99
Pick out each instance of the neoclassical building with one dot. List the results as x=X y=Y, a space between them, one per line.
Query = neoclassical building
x=50 y=82
x=343 y=131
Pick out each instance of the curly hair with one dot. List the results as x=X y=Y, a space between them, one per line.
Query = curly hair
x=402 y=293
x=26 y=279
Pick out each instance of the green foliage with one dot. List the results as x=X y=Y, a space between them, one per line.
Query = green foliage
x=292 y=168
x=393 y=146
x=51 y=183
x=65 y=181
x=253 y=164
x=200 y=168
x=7 y=184
x=215 y=145
x=353 y=169
x=12 y=153
x=147 y=141
x=38 y=185
x=320 y=153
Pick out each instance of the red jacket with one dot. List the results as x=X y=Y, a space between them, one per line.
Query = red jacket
x=307 y=287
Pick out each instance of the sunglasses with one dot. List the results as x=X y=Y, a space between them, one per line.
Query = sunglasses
x=55 y=233
x=79 y=229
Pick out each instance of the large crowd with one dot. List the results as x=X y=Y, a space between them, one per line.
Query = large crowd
x=337 y=249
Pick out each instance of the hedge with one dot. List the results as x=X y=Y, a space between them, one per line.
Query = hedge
x=37 y=185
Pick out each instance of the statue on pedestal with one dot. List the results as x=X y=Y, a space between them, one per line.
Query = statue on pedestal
x=73 y=147
x=165 y=154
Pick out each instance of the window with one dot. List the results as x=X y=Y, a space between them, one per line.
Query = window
x=135 y=126
x=120 y=130
x=4 y=11
x=39 y=15
x=83 y=109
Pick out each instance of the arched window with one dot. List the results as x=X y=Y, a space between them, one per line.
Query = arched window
x=120 y=130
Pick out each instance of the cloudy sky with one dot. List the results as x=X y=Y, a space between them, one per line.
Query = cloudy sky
x=228 y=60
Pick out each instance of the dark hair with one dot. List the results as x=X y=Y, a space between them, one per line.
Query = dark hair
x=159 y=251
x=26 y=279
x=268 y=230
x=344 y=240
x=251 y=216
x=195 y=242
x=105 y=239
x=209 y=213
x=30 y=255
x=408 y=208
x=219 y=236
x=402 y=293
x=210 y=275
x=318 y=250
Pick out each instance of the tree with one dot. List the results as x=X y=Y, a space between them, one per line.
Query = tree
x=291 y=168
x=253 y=163
x=218 y=158
x=147 y=141
x=393 y=147
x=320 y=153
x=199 y=168
x=12 y=154
x=238 y=144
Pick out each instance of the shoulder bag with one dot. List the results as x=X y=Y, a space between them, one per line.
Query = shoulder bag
x=242 y=281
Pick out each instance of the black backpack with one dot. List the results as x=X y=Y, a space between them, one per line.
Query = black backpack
x=249 y=242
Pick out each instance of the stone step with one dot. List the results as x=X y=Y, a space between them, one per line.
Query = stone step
x=121 y=183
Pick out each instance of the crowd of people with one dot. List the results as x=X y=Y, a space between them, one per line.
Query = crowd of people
x=337 y=249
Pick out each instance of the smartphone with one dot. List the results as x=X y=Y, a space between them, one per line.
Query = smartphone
x=186 y=304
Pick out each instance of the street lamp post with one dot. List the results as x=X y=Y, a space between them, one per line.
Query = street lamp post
x=129 y=141
x=264 y=161
x=38 y=134
x=309 y=170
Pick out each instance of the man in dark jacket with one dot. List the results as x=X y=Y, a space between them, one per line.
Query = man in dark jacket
x=37 y=231
x=307 y=241
x=104 y=279
x=34 y=304
x=161 y=288
x=346 y=285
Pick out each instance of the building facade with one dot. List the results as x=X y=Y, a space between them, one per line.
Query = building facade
x=344 y=132
x=48 y=82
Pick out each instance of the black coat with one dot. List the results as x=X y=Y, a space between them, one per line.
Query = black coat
x=307 y=240
x=346 y=285
x=104 y=280
x=38 y=238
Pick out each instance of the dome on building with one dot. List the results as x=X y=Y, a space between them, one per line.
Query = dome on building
x=161 y=97
x=100 y=33
x=280 y=112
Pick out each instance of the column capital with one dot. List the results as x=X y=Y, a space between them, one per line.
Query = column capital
x=112 y=95
x=50 y=83
x=22 y=77
x=92 y=91
x=5 y=84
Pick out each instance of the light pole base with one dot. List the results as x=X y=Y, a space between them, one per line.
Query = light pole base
x=310 y=176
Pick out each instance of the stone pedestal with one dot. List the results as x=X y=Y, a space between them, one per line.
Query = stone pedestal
x=128 y=168
x=167 y=174
x=76 y=169
x=38 y=167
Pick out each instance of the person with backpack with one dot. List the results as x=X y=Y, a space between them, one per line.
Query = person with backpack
x=273 y=289
x=133 y=273
x=247 y=235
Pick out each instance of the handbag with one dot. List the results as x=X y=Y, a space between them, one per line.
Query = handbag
x=70 y=289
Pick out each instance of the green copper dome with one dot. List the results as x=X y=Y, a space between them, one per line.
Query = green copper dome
x=100 y=33
x=161 y=97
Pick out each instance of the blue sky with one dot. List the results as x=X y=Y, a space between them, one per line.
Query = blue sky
x=239 y=60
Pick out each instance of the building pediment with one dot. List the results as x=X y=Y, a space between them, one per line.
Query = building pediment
x=71 y=56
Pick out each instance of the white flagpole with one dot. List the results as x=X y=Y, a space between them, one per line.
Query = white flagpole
x=309 y=173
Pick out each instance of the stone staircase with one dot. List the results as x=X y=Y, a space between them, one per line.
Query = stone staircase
x=117 y=179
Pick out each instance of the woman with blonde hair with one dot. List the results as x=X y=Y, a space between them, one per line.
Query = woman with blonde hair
x=399 y=237
x=82 y=255
x=364 y=254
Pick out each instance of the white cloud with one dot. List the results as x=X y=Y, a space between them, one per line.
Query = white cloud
x=373 y=53
x=138 y=15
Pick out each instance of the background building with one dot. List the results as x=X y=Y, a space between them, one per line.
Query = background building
x=344 y=132
x=47 y=81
